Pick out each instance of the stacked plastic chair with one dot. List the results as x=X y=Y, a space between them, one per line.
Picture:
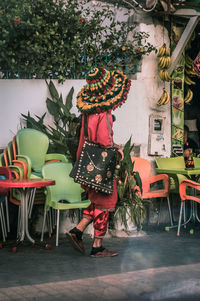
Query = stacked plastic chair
x=26 y=154
x=5 y=173
x=31 y=146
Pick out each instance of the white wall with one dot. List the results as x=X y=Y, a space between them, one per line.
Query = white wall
x=21 y=96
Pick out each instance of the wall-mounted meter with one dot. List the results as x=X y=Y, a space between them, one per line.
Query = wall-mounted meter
x=156 y=143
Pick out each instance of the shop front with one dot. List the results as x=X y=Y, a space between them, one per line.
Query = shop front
x=185 y=84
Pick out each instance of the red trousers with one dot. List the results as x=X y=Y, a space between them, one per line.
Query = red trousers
x=99 y=218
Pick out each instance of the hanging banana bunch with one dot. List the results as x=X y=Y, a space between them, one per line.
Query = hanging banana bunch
x=189 y=71
x=188 y=80
x=164 y=75
x=164 y=62
x=189 y=96
x=164 y=99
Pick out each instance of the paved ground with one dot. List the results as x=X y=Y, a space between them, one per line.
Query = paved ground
x=156 y=266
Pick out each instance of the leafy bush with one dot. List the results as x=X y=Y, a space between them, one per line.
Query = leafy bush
x=49 y=38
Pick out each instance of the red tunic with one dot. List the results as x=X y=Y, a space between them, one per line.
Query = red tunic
x=98 y=132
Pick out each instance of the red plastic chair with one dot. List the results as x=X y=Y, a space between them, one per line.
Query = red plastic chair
x=184 y=189
x=5 y=173
x=143 y=166
x=4 y=161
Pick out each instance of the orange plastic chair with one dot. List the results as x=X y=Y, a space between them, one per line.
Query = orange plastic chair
x=13 y=158
x=186 y=194
x=143 y=166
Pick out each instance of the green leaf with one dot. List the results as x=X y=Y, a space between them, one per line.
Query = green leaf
x=69 y=97
x=53 y=91
x=34 y=124
x=63 y=107
x=121 y=190
x=131 y=181
x=53 y=108
x=138 y=181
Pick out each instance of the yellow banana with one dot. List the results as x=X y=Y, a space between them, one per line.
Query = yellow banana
x=161 y=50
x=189 y=96
x=167 y=52
x=169 y=62
x=164 y=75
x=161 y=74
x=167 y=76
x=164 y=99
x=167 y=98
x=164 y=62
x=188 y=59
x=188 y=80
x=190 y=72
x=188 y=65
x=161 y=62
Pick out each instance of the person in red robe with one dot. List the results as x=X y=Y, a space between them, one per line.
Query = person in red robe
x=104 y=92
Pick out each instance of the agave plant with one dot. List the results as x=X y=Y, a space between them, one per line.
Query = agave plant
x=130 y=205
x=63 y=134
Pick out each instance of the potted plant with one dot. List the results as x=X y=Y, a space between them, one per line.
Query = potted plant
x=130 y=205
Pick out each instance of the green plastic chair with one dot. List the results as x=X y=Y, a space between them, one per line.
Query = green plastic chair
x=197 y=165
x=175 y=162
x=65 y=194
x=32 y=146
x=196 y=162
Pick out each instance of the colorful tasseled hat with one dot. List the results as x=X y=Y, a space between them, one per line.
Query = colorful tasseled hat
x=105 y=90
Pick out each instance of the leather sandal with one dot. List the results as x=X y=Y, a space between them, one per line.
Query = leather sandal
x=75 y=242
x=105 y=253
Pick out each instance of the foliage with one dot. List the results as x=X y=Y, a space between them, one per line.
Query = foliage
x=130 y=204
x=65 y=122
x=49 y=38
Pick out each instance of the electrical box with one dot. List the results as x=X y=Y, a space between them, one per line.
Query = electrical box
x=156 y=143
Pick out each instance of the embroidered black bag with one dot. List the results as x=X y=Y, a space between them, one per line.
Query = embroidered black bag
x=95 y=167
x=96 y=164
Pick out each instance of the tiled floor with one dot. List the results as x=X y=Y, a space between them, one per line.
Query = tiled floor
x=156 y=266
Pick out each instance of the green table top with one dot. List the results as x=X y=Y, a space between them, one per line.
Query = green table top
x=180 y=171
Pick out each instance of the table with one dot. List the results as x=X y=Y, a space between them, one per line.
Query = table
x=25 y=187
x=190 y=173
